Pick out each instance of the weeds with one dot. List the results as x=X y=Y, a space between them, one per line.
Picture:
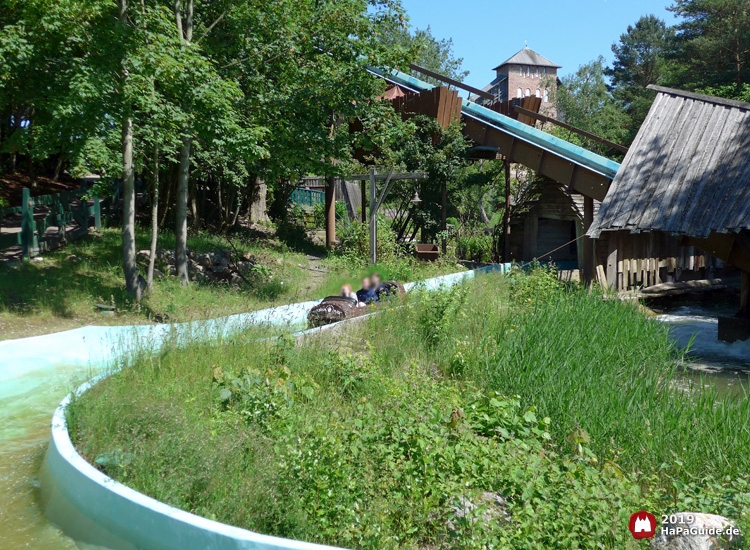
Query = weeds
x=504 y=414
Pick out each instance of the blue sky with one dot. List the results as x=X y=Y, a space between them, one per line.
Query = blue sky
x=568 y=32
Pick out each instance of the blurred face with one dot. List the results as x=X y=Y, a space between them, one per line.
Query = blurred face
x=346 y=291
x=366 y=283
x=375 y=279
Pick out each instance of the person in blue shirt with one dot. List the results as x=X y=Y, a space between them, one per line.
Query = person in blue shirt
x=367 y=293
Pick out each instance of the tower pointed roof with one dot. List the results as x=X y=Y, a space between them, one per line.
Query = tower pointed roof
x=527 y=56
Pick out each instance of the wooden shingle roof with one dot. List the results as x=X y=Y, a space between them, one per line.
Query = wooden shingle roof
x=686 y=173
x=527 y=56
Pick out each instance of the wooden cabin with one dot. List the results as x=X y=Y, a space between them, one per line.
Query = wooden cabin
x=680 y=204
x=549 y=226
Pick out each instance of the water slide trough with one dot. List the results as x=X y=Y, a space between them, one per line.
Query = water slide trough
x=584 y=171
x=57 y=500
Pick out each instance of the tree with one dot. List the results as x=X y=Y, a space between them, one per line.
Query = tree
x=584 y=101
x=134 y=283
x=640 y=60
x=427 y=51
x=713 y=43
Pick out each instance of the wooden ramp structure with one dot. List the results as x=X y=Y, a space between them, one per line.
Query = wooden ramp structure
x=585 y=172
x=516 y=141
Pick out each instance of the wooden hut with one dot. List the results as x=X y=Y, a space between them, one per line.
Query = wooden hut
x=549 y=226
x=680 y=202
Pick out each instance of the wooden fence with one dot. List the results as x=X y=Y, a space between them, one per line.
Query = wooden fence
x=62 y=210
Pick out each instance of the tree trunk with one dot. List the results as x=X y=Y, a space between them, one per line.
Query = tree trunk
x=183 y=178
x=133 y=283
x=483 y=213
x=58 y=168
x=194 y=208
x=154 y=222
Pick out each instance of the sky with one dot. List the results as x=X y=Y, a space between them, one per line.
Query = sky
x=568 y=32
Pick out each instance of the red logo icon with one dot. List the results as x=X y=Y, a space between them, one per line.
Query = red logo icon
x=642 y=525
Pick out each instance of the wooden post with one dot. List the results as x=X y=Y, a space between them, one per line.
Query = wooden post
x=506 y=216
x=745 y=295
x=612 y=261
x=588 y=243
x=363 y=199
x=422 y=232
x=330 y=207
x=28 y=237
x=373 y=218
x=97 y=213
x=444 y=214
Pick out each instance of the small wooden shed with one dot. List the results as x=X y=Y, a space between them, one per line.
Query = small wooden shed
x=549 y=226
x=680 y=203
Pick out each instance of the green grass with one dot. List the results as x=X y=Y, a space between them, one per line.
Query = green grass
x=60 y=293
x=565 y=403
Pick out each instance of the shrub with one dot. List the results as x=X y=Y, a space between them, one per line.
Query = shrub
x=475 y=247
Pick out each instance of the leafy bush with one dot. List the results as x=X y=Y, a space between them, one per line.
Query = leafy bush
x=319 y=213
x=475 y=247
x=437 y=313
x=534 y=287
x=354 y=242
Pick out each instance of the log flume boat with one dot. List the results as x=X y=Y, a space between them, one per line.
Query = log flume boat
x=337 y=308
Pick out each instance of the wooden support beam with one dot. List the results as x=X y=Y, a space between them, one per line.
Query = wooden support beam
x=506 y=215
x=584 y=133
x=330 y=206
x=612 y=260
x=373 y=218
x=363 y=199
x=451 y=81
x=588 y=243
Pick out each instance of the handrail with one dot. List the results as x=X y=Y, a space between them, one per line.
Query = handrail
x=543 y=118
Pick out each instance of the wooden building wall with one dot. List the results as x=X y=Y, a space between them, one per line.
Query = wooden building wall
x=542 y=227
x=626 y=260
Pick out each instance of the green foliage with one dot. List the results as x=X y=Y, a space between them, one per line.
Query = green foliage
x=713 y=43
x=534 y=287
x=475 y=246
x=584 y=101
x=438 y=314
x=563 y=416
x=319 y=213
x=429 y=52
x=640 y=60
x=354 y=243
x=740 y=92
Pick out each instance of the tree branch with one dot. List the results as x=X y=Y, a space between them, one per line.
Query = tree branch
x=211 y=27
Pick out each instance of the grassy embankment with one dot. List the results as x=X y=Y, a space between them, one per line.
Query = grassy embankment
x=559 y=401
x=62 y=291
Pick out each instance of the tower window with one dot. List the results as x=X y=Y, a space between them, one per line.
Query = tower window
x=538 y=93
x=537 y=72
x=520 y=70
x=520 y=93
x=546 y=96
x=528 y=92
